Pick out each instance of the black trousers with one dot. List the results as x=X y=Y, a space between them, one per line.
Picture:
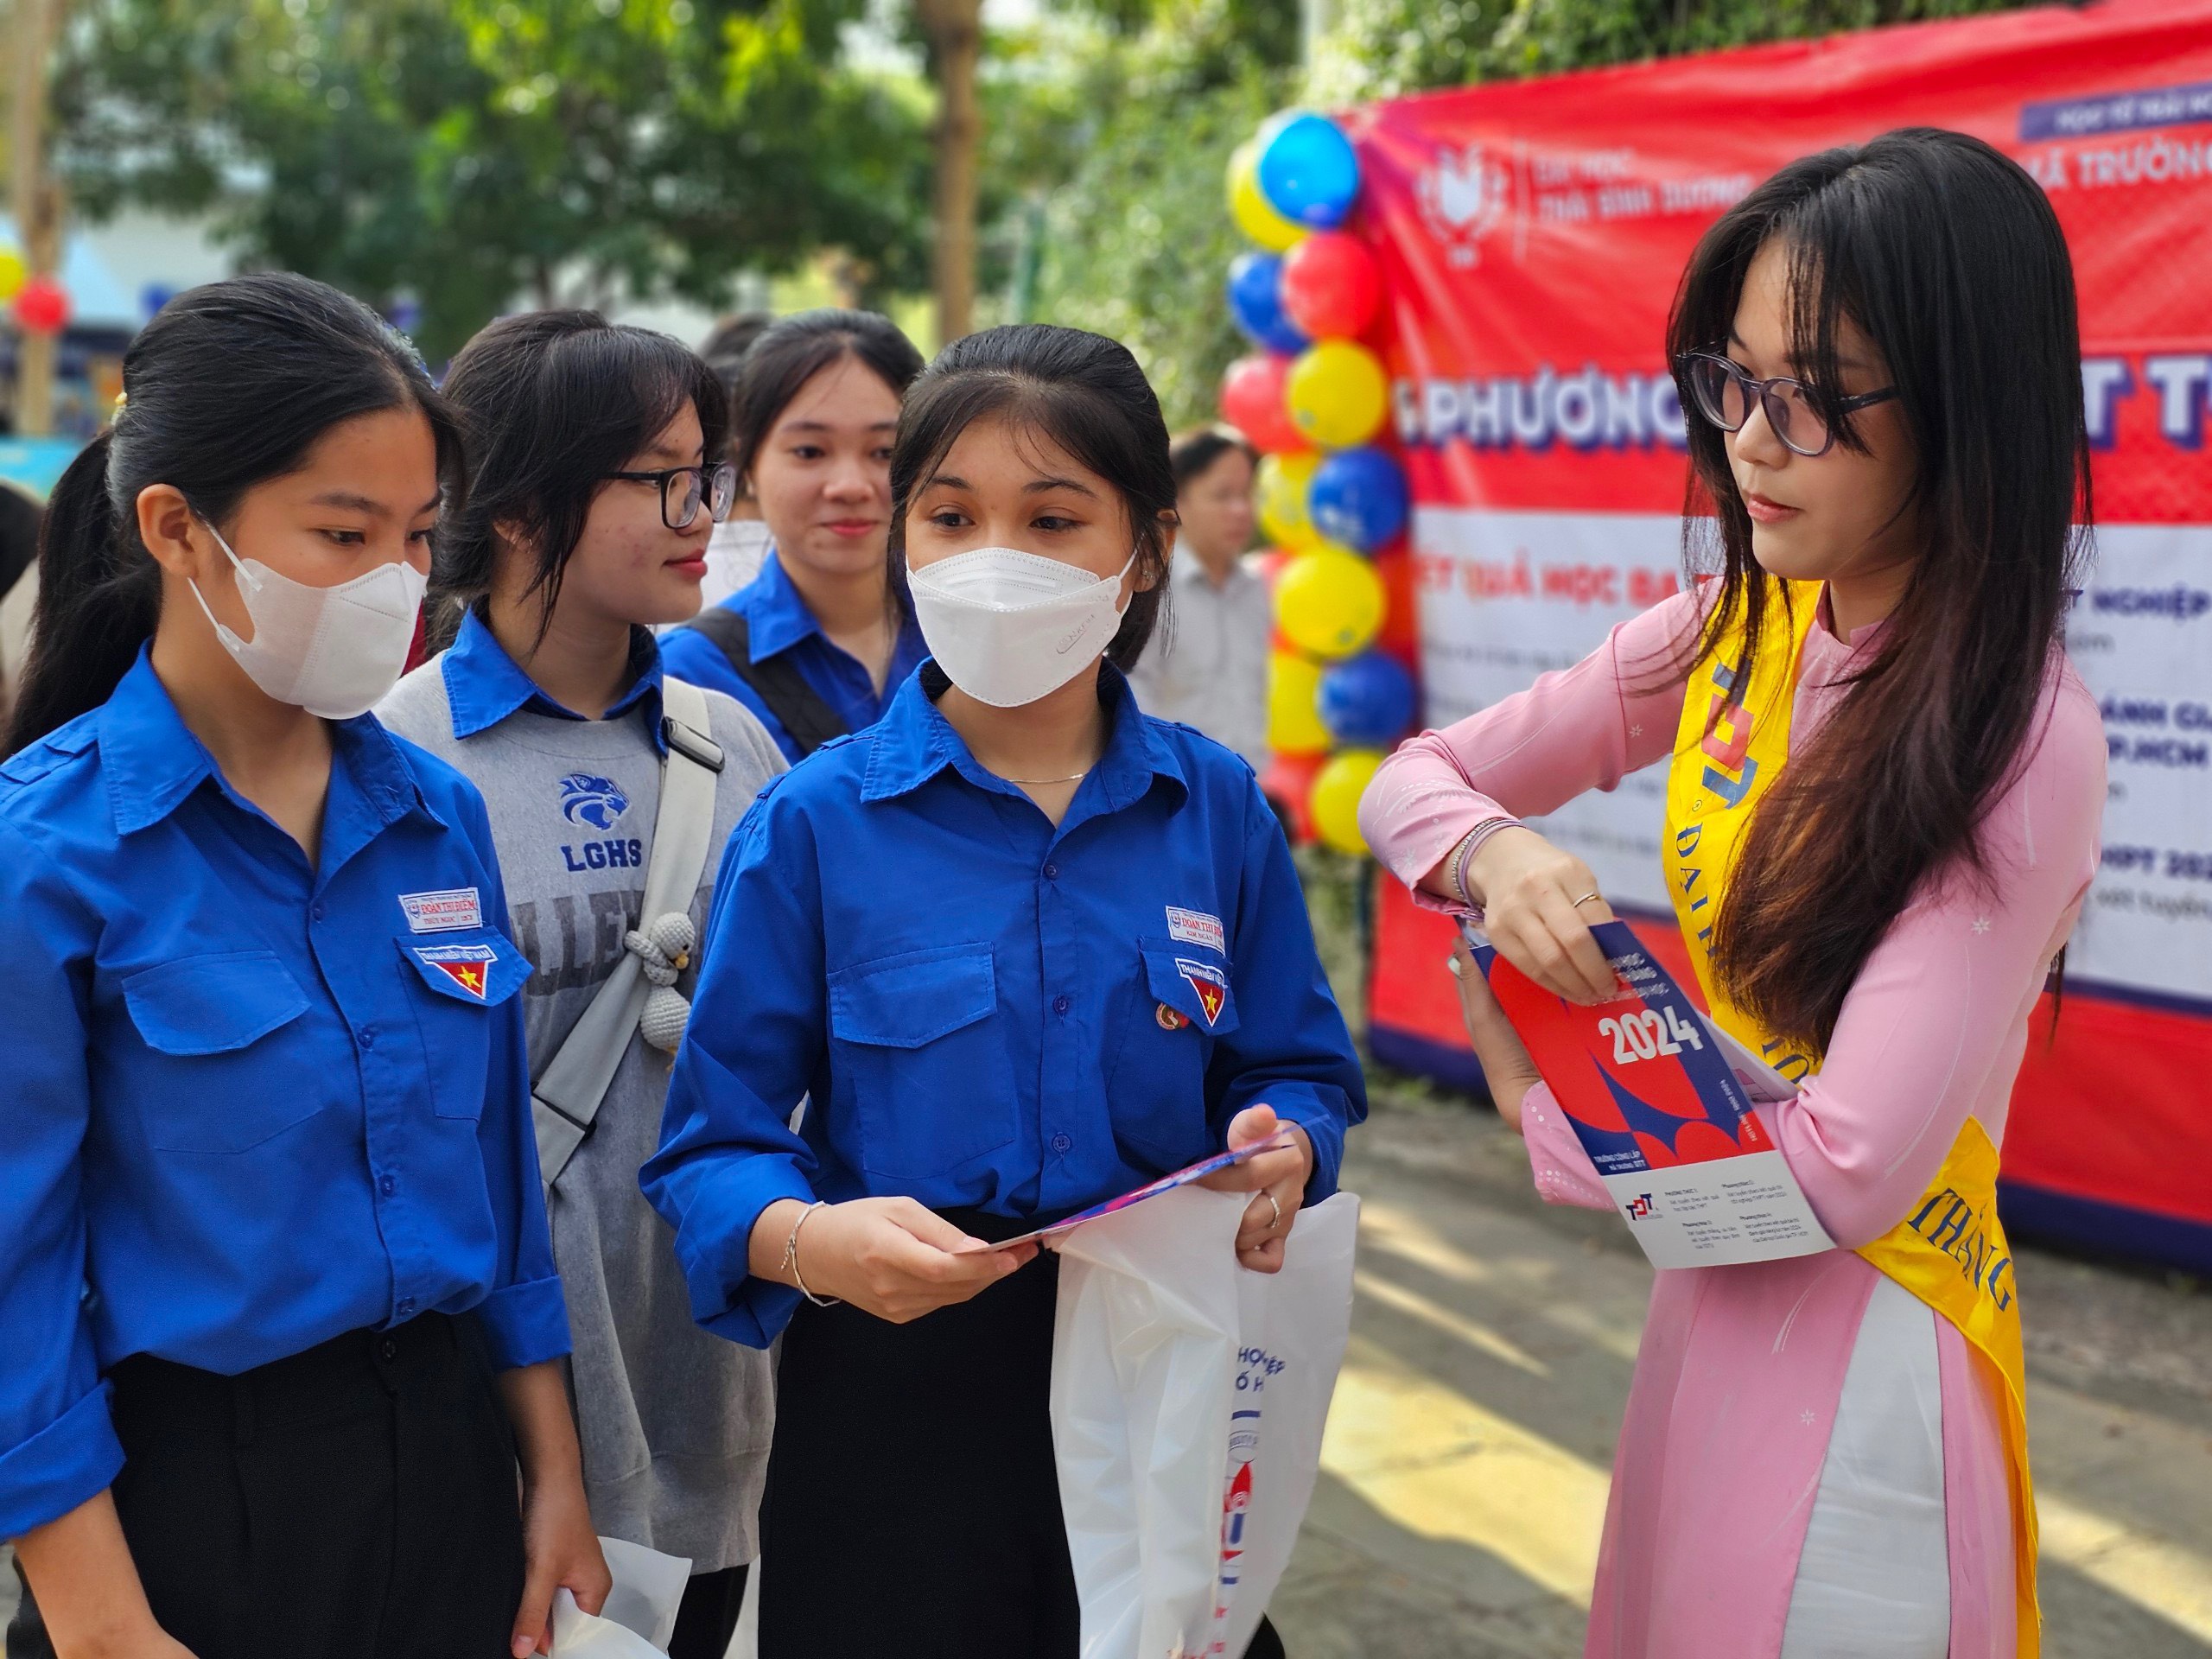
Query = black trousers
x=706 y=1618
x=912 y=1509
x=357 y=1501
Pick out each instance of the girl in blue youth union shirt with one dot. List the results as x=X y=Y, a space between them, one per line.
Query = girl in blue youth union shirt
x=270 y=1220
x=1021 y=948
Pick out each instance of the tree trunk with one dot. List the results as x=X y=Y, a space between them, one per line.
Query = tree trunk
x=954 y=31
x=38 y=201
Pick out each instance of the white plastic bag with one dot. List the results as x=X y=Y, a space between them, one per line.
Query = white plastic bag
x=1188 y=1399
x=639 y=1617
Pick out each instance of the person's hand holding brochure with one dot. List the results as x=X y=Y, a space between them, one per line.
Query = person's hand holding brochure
x=1184 y=1177
x=1662 y=1100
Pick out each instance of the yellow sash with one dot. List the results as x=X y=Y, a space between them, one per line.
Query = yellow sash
x=1950 y=1252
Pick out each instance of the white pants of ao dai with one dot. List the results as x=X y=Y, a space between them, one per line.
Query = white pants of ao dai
x=1874 y=1581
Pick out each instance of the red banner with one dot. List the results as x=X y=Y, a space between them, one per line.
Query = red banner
x=1531 y=234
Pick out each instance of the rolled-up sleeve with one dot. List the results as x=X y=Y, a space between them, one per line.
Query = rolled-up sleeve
x=524 y=1315
x=57 y=1446
x=1291 y=1050
x=755 y=1040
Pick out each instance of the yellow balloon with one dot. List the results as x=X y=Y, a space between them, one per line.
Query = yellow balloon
x=1329 y=602
x=1336 y=393
x=1280 y=484
x=1335 y=800
x=13 y=274
x=1294 y=712
x=1254 y=214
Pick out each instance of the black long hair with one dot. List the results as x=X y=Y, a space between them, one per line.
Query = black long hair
x=230 y=385
x=790 y=351
x=1084 y=392
x=1946 y=255
x=553 y=402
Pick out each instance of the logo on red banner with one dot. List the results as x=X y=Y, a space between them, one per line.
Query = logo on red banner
x=1464 y=195
x=1210 y=984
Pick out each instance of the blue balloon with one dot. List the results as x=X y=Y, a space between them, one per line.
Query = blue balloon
x=1309 y=171
x=1358 y=498
x=1256 y=302
x=1367 y=701
x=154 y=296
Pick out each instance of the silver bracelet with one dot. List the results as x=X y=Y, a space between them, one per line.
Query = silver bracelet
x=1469 y=845
x=791 y=1258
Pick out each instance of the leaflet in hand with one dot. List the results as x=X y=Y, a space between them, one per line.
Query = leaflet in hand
x=1183 y=1177
x=1661 y=1100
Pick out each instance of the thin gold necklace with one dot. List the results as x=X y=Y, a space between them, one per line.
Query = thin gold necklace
x=1073 y=777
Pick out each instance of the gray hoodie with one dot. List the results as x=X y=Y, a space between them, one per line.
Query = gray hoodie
x=675 y=1422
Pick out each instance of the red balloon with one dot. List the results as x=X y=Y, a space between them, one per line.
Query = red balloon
x=42 y=306
x=1267 y=563
x=1252 y=402
x=1289 y=784
x=1331 y=286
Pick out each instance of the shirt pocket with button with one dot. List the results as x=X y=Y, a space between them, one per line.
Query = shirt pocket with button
x=1176 y=1002
x=456 y=979
x=918 y=1059
x=231 y=1075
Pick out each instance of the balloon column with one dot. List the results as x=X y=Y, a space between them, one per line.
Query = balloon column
x=1312 y=397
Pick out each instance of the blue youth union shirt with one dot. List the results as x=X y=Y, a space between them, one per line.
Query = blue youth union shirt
x=251 y=1104
x=987 y=1011
x=780 y=623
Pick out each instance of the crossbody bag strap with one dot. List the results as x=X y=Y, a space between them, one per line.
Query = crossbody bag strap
x=566 y=1097
x=797 y=705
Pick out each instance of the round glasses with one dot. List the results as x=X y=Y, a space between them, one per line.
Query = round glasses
x=683 y=488
x=1725 y=395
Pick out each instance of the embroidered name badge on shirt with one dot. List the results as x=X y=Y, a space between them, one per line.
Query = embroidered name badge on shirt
x=1196 y=927
x=443 y=913
x=467 y=965
x=1210 y=983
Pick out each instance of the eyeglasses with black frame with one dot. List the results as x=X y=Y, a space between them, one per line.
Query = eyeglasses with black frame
x=1725 y=395
x=679 y=510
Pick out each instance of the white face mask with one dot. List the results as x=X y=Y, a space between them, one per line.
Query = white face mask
x=734 y=554
x=1008 y=627
x=334 y=651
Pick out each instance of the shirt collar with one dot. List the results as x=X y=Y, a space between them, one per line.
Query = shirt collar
x=484 y=685
x=914 y=742
x=775 y=612
x=152 y=761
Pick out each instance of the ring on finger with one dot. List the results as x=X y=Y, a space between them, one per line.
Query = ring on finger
x=1586 y=898
x=1274 y=1216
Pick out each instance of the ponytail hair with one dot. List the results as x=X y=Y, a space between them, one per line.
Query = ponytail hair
x=229 y=386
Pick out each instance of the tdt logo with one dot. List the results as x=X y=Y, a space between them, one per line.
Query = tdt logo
x=1464 y=193
x=1640 y=1207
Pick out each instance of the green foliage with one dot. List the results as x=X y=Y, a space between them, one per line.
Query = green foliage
x=467 y=152
x=1386 y=48
x=1134 y=227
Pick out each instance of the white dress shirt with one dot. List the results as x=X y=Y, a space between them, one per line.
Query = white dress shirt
x=1207 y=664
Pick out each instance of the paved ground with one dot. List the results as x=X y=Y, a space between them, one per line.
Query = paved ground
x=1464 y=1471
